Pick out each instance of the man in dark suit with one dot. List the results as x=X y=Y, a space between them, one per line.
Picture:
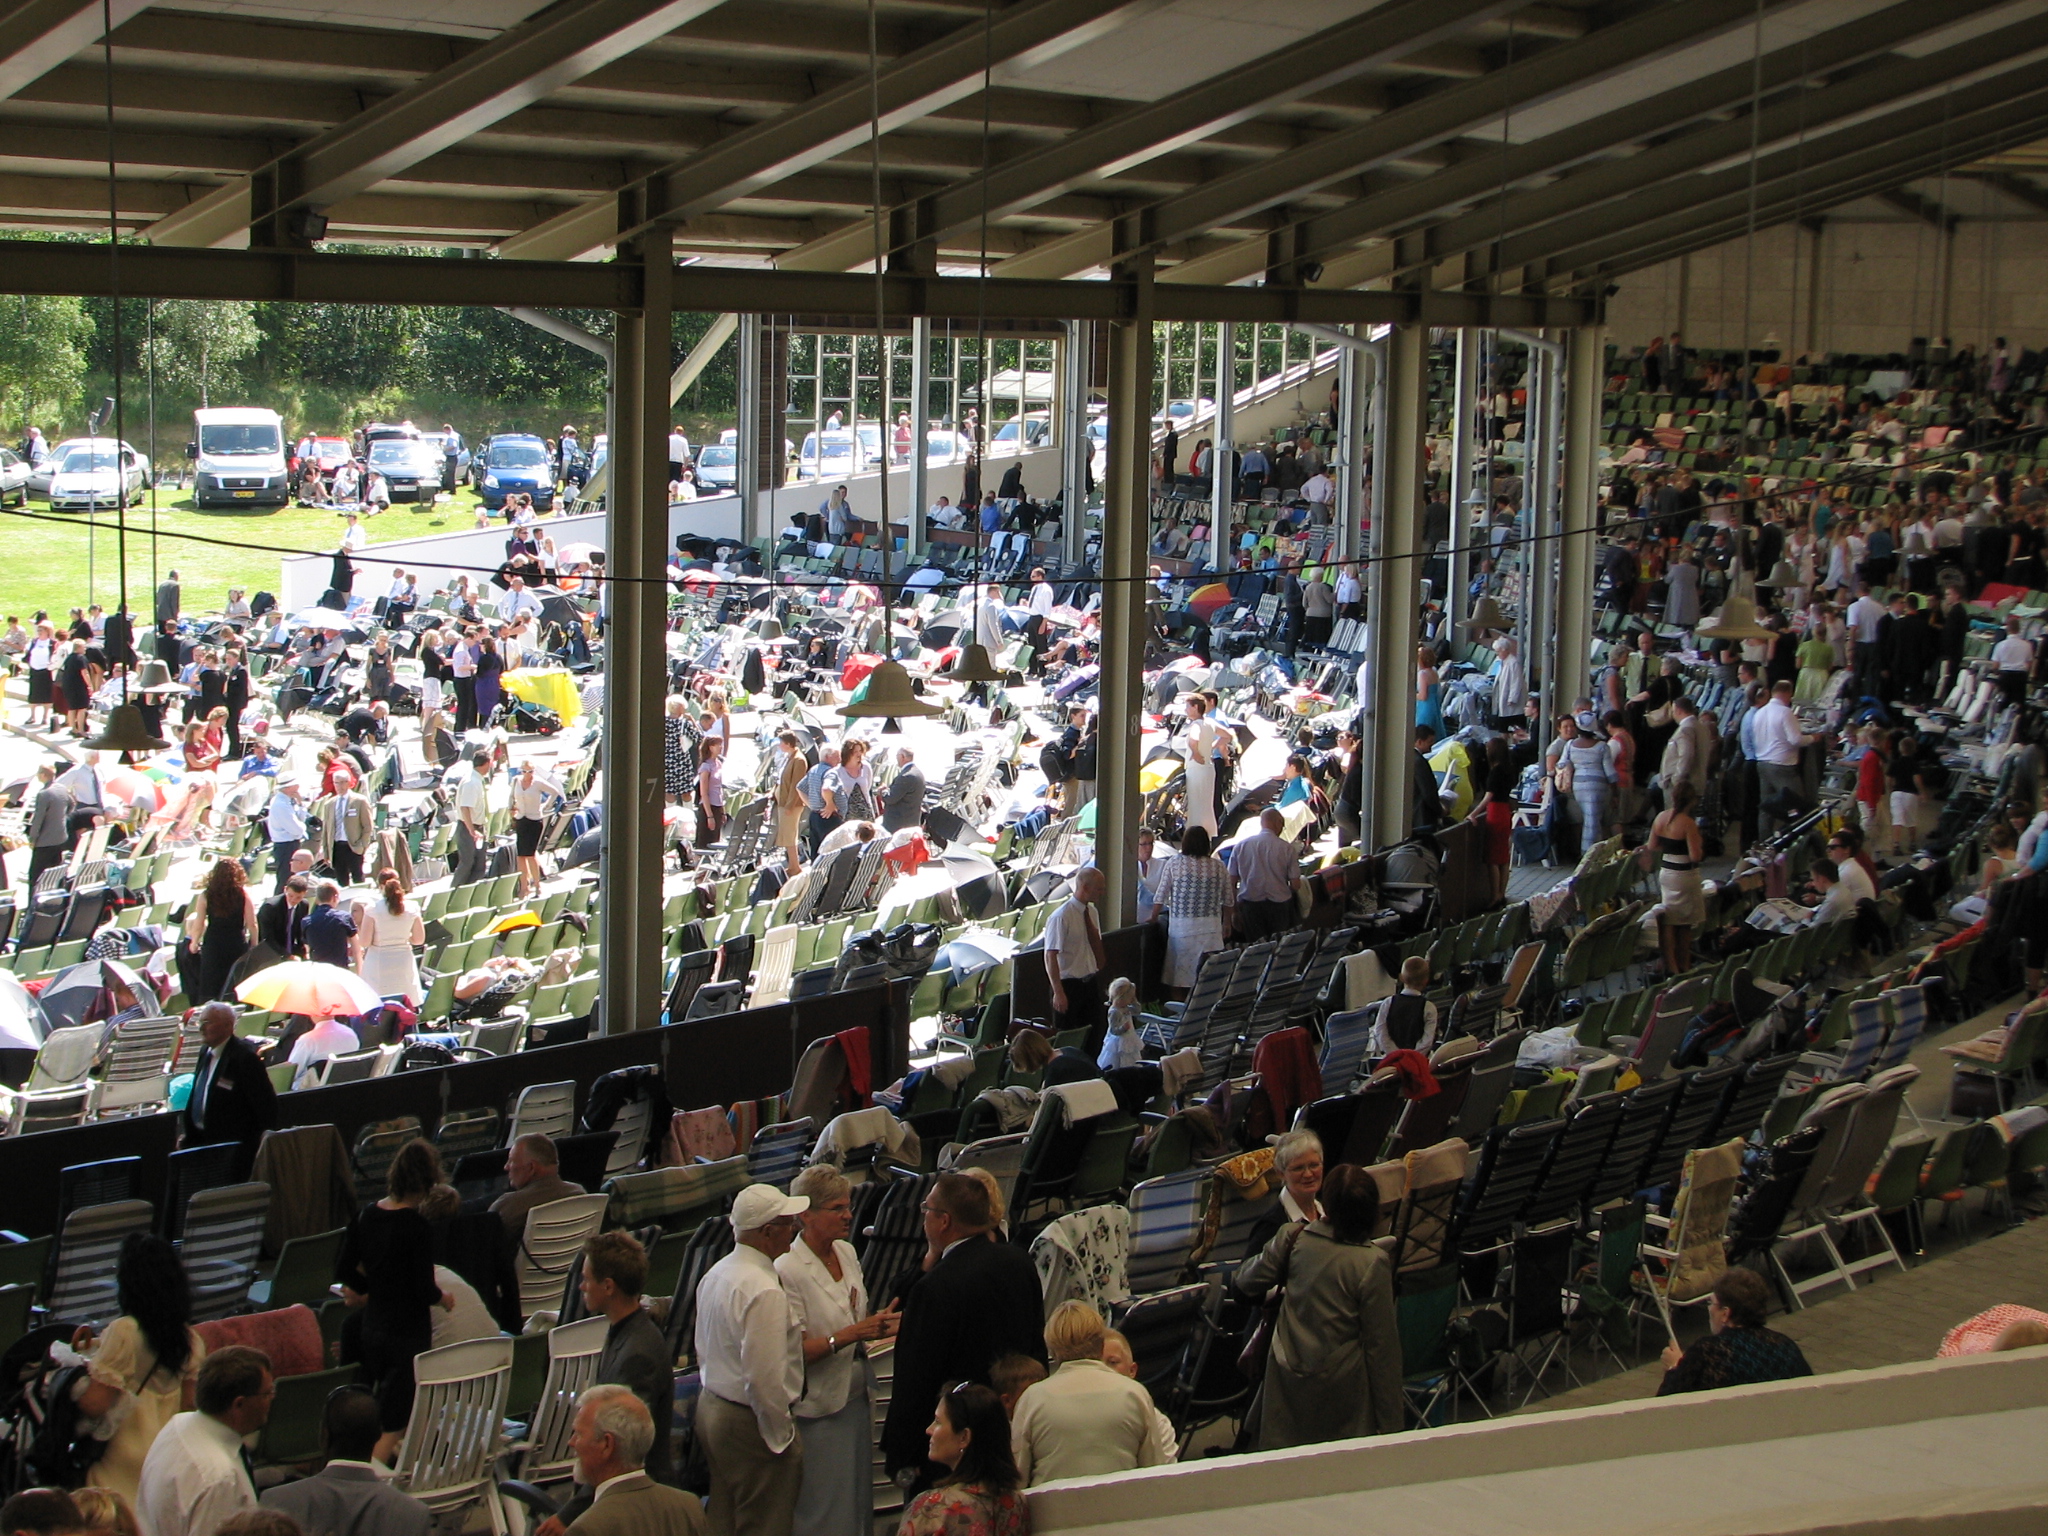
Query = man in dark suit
x=281 y=921
x=328 y=928
x=167 y=602
x=976 y=1300
x=347 y=1497
x=232 y=1099
x=903 y=796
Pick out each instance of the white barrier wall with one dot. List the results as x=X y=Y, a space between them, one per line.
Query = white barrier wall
x=1946 y=1446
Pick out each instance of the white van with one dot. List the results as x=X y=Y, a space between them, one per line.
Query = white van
x=238 y=458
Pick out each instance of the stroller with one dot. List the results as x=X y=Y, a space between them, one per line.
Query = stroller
x=524 y=718
x=39 y=1440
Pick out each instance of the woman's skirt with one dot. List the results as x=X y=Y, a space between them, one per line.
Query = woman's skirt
x=1500 y=832
x=1201 y=810
x=1187 y=940
x=837 y=1494
x=526 y=831
x=40 y=685
x=1684 y=903
x=1813 y=682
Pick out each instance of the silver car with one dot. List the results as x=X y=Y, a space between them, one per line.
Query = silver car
x=87 y=473
x=409 y=466
x=14 y=473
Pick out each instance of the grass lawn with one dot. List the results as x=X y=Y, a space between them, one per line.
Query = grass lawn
x=60 y=561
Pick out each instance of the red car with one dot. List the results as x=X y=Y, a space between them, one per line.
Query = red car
x=329 y=453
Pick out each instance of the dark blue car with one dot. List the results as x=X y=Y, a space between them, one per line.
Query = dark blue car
x=514 y=462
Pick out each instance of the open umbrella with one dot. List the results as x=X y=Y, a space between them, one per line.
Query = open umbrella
x=308 y=987
x=136 y=788
x=70 y=995
x=1204 y=601
x=975 y=951
x=323 y=618
x=574 y=554
x=22 y=1025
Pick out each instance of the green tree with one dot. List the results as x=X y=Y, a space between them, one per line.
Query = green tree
x=42 y=357
x=199 y=341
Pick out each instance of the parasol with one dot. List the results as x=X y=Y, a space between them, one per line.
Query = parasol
x=308 y=987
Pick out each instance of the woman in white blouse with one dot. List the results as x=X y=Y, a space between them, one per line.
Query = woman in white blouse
x=828 y=1300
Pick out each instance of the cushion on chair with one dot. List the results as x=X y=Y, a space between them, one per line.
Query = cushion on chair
x=289 y=1335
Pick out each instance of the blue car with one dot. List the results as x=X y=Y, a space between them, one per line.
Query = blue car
x=514 y=462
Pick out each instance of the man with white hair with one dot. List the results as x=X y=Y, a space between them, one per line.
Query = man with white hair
x=1268 y=871
x=609 y=1440
x=750 y=1352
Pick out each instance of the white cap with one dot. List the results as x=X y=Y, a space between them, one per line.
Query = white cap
x=759 y=1204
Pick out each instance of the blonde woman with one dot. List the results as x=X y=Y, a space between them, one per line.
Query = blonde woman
x=1083 y=1420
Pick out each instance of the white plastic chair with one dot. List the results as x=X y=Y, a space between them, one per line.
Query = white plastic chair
x=555 y=1235
x=773 y=965
x=574 y=1350
x=544 y=1109
x=451 y=1440
x=137 y=1074
x=631 y=1124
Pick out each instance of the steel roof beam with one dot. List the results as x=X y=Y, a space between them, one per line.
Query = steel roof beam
x=1892 y=149
x=38 y=35
x=1324 y=236
x=173 y=272
x=921 y=82
x=519 y=67
x=1523 y=218
x=2018 y=188
x=1924 y=209
x=1442 y=114
x=1150 y=129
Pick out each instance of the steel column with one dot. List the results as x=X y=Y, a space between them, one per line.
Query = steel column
x=1222 y=482
x=746 y=467
x=1362 y=388
x=1077 y=351
x=1126 y=528
x=920 y=408
x=636 y=660
x=1398 y=461
x=1464 y=402
x=1586 y=362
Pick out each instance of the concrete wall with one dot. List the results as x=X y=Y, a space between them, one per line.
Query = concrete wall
x=1949 y=1446
x=1881 y=283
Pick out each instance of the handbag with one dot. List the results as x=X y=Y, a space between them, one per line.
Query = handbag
x=1656 y=719
x=1258 y=1349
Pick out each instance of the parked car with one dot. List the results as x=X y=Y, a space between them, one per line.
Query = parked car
x=1032 y=431
x=238 y=457
x=441 y=441
x=327 y=454
x=1179 y=413
x=834 y=455
x=516 y=462
x=410 y=467
x=91 y=472
x=718 y=467
x=14 y=473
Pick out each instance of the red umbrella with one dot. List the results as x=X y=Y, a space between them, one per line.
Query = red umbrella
x=1206 y=600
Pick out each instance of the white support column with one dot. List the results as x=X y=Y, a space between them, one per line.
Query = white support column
x=636 y=657
x=1464 y=407
x=1221 y=480
x=1362 y=398
x=1077 y=346
x=746 y=467
x=1398 y=462
x=920 y=394
x=1581 y=497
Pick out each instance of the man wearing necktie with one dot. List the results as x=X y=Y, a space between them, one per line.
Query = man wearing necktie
x=232 y=1097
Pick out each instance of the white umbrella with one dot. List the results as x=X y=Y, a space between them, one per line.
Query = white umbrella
x=68 y=996
x=323 y=618
x=308 y=987
x=22 y=1026
x=574 y=554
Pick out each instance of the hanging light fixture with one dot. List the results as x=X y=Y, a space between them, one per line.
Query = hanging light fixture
x=1486 y=614
x=126 y=732
x=1736 y=621
x=972 y=665
x=889 y=694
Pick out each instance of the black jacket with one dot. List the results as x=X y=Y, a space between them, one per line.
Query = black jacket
x=281 y=926
x=980 y=1302
x=240 y=1103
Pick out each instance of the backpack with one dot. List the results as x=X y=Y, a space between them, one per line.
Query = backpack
x=1052 y=762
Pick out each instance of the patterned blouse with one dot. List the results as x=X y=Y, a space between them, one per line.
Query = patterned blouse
x=1735 y=1357
x=1193 y=888
x=965 y=1510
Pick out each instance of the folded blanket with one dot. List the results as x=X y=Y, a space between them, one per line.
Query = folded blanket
x=1084 y=1100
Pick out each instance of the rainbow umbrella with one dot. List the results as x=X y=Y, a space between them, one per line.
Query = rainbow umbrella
x=1206 y=600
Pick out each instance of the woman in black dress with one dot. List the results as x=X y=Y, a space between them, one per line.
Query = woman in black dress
x=74 y=687
x=386 y=1270
x=220 y=929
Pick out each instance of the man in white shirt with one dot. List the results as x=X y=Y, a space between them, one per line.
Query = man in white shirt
x=2013 y=657
x=678 y=453
x=1863 y=618
x=1074 y=960
x=1836 y=902
x=750 y=1354
x=352 y=537
x=1348 y=592
x=327 y=1037
x=472 y=810
x=946 y=515
x=194 y=1478
x=286 y=824
x=1319 y=490
x=518 y=602
x=1779 y=742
